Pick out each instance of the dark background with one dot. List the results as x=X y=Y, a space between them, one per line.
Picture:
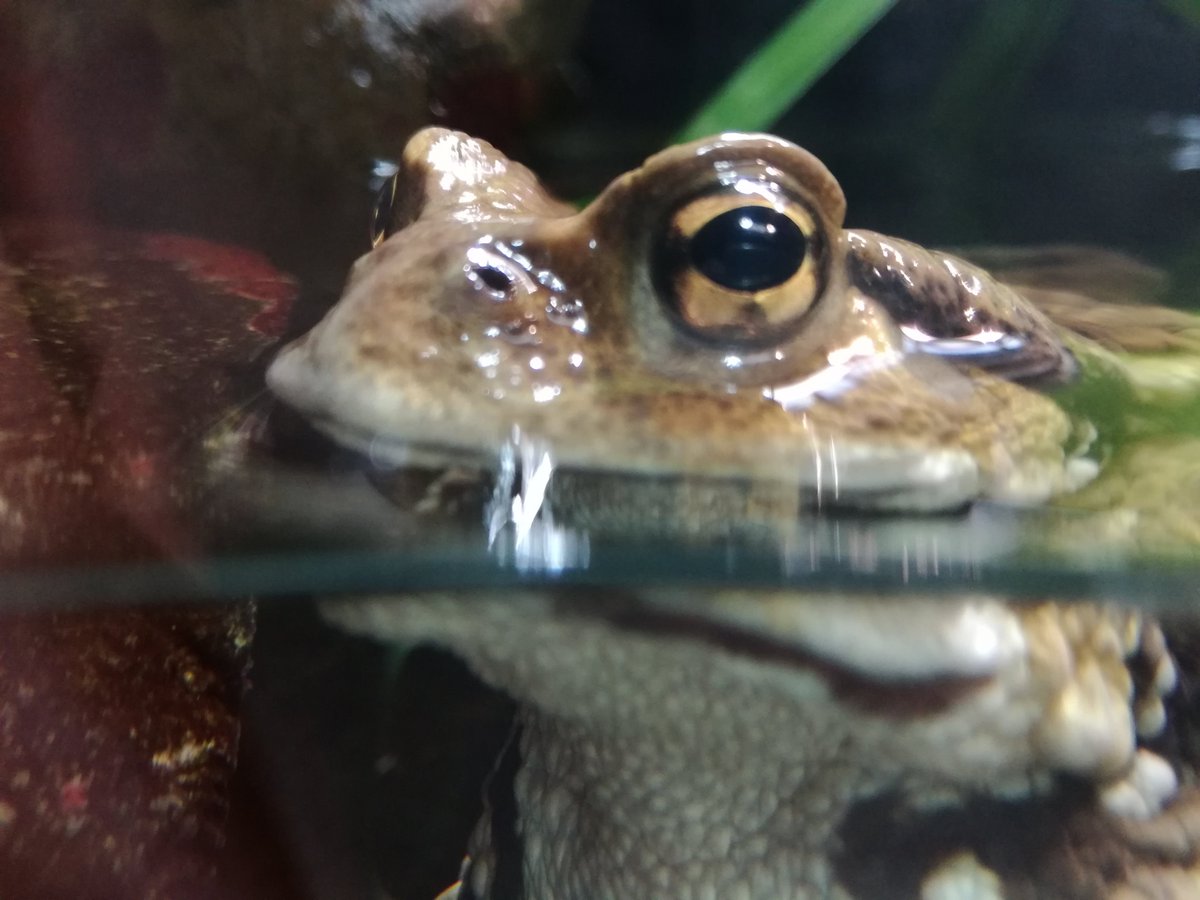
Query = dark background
x=951 y=122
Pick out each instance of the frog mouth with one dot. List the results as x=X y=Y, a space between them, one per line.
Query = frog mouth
x=326 y=443
x=831 y=476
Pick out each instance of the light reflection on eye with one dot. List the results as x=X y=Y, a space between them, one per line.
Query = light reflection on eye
x=753 y=188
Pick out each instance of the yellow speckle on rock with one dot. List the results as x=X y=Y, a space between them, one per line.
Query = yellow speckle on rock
x=186 y=754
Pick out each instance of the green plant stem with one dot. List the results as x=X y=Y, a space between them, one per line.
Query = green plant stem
x=998 y=56
x=1188 y=9
x=779 y=73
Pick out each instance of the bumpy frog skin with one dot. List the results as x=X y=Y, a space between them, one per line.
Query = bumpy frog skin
x=741 y=744
x=735 y=744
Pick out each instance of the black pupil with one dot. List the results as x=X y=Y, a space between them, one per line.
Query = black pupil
x=750 y=248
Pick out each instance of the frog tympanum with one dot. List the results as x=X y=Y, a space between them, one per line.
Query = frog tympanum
x=708 y=317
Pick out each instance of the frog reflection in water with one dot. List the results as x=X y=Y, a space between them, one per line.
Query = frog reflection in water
x=708 y=318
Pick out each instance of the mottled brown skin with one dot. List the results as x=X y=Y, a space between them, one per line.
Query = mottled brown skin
x=420 y=355
x=732 y=743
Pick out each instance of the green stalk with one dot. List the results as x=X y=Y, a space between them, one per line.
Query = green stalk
x=1188 y=9
x=779 y=73
x=997 y=57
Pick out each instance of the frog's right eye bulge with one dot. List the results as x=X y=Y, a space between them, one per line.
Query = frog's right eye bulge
x=738 y=267
x=383 y=212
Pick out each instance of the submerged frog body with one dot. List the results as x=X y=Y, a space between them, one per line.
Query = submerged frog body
x=708 y=318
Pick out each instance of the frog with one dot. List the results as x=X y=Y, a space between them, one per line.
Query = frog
x=708 y=320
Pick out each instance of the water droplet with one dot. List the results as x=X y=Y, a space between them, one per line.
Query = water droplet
x=564 y=310
x=522 y=332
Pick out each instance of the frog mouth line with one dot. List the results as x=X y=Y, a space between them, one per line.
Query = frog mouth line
x=829 y=477
x=324 y=443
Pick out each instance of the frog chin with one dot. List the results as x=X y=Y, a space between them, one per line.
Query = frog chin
x=658 y=730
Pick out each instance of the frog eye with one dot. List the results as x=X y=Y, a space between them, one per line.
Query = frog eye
x=740 y=267
x=383 y=211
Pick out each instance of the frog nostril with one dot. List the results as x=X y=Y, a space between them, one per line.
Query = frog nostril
x=521 y=332
x=564 y=310
x=497 y=270
x=494 y=279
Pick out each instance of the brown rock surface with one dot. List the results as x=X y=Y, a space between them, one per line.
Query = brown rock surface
x=119 y=728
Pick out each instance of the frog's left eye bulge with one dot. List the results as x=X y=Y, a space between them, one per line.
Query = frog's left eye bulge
x=739 y=268
x=383 y=211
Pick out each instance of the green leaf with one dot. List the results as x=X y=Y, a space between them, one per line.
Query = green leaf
x=998 y=55
x=1188 y=9
x=779 y=73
